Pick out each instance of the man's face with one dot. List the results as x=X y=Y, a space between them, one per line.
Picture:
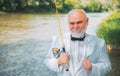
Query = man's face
x=77 y=23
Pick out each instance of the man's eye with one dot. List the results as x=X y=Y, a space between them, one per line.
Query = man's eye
x=72 y=23
x=79 y=22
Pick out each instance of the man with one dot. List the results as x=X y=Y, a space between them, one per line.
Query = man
x=85 y=54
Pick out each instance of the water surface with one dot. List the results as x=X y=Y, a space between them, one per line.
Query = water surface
x=26 y=38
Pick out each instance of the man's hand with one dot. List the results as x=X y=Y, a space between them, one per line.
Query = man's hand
x=63 y=59
x=87 y=64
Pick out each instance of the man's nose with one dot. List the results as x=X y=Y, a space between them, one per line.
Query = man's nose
x=75 y=26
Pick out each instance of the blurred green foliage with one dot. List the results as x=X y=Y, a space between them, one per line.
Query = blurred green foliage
x=110 y=29
x=34 y=6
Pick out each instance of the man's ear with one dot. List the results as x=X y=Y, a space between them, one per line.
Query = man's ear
x=87 y=21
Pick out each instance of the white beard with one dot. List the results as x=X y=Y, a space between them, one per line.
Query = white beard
x=78 y=33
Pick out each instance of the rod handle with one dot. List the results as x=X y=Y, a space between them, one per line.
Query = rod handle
x=66 y=67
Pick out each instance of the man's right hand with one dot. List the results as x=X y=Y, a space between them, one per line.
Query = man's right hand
x=63 y=59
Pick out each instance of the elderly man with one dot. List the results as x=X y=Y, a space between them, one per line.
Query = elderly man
x=85 y=55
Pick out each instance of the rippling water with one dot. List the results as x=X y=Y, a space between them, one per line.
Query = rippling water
x=26 y=38
x=16 y=27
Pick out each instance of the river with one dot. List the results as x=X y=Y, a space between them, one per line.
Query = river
x=26 y=38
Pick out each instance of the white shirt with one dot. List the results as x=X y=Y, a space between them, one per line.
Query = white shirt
x=77 y=54
x=92 y=48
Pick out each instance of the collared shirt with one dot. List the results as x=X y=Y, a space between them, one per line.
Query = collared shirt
x=77 y=54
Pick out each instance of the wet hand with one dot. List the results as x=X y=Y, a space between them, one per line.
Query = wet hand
x=87 y=64
x=63 y=59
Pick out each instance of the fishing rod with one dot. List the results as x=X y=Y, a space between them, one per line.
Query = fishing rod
x=61 y=38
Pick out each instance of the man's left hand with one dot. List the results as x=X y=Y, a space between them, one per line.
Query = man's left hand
x=87 y=64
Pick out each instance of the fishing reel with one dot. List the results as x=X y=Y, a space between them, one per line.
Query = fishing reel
x=57 y=52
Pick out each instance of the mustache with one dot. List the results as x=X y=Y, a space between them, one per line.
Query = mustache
x=79 y=30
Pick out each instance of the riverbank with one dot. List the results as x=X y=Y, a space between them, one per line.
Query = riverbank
x=110 y=30
x=114 y=56
x=2 y=13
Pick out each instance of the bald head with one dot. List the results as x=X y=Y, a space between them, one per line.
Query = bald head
x=77 y=12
